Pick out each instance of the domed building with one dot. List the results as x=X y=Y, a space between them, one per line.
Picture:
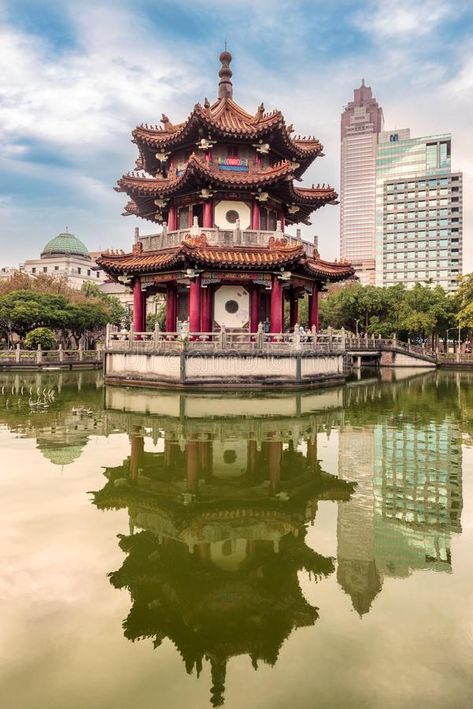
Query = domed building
x=66 y=255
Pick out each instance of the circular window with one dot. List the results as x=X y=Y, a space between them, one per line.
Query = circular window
x=229 y=457
x=231 y=216
x=231 y=306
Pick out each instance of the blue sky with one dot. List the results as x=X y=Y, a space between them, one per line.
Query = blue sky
x=76 y=77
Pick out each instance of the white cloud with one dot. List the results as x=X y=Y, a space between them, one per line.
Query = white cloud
x=403 y=19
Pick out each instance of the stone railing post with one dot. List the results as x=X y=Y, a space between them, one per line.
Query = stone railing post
x=81 y=352
x=314 y=337
x=107 y=335
x=296 y=340
x=394 y=339
x=259 y=337
x=130 y=337
x=156 y=334
x=330 y=338
x=17 y=354
x=223 y=338
x=343 y=340
x=39 y=355
x=61 y=353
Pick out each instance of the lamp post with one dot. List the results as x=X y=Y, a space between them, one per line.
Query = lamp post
x=356 y=327
x=459 y=338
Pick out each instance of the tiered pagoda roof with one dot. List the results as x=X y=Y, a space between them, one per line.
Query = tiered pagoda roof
x=198 y=173
x=196 y=252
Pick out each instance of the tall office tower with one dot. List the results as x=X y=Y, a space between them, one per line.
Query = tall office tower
x=362 y=121
x=418 y=211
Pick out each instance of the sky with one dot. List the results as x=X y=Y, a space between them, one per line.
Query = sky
x=77 y=77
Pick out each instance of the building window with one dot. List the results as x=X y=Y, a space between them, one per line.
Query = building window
x=56 y=268
x=33 y=270
x=45 y=269
x=79 y=270
x=98 y=274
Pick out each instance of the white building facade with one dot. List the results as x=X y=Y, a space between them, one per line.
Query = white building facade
x=418 y=211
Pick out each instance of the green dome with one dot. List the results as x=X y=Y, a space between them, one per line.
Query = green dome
x=65 y=244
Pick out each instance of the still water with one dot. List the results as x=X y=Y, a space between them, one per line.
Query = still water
x=162 y=550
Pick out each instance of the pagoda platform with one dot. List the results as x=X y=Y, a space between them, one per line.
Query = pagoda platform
x=222 y=360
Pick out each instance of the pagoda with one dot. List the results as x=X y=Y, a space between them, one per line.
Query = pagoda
x=223 y=185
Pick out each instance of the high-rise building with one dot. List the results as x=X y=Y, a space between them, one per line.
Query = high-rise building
x=361 y=124
x=418 y=211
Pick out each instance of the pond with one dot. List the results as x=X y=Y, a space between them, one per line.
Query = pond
x=239 y=550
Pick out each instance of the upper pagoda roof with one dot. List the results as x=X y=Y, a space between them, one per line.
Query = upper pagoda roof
x=226 y=120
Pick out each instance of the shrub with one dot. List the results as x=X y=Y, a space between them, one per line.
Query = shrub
x=40 y=336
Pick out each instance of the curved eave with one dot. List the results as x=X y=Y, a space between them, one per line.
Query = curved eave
x=241 y=258
x=225 y=119
x=329 y=270
x=141 y=185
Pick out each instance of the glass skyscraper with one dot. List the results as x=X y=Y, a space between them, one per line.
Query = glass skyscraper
x=418 y=211
x=361 y=123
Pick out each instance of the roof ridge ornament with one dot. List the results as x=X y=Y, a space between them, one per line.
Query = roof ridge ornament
x=225 y=86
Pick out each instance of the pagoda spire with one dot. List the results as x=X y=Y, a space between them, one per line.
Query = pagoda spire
x=225 y=86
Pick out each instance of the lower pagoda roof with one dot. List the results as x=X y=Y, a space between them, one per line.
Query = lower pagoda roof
x=195 y=251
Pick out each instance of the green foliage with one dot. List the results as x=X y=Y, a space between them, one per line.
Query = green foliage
x=40 y=336
x=55 y=306
x=421 y=311
x=159 y=317
x=464 y=298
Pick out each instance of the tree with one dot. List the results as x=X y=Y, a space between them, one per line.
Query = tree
x=40 y=336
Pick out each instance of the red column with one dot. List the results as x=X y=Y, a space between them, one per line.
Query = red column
x=192 y=465
x=274 y=462
x=314 y=308
x=139 y=307
x=254 y=214
x=251 y=457
x=294 y=310
x=254 y=307
x=194 y=305
x=208 y=214
x=136 y=453
x=172 y=218
x=276 y=306
x=171 y=307
x=205 y=317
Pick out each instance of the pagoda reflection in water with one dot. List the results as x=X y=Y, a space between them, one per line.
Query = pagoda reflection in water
x=218 y=519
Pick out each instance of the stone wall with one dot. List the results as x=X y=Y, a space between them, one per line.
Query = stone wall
x=200 y=369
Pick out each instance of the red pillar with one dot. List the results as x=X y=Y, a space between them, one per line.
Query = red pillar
x=251 y=457
x=294 y=310
x=192 y=465
x=208 y=220
x=136 y=453
x=139 y=307
x=314 y=307
x=171 y=307
x=274 y=461
x=254 y=307
x=276 y=306
x=194 y=305
x=254 y=214
x=172 y=218
x=206 y=310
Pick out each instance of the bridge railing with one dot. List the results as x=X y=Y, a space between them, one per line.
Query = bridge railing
x=21 y=357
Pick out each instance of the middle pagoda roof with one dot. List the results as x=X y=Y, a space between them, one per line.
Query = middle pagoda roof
x=200 y=174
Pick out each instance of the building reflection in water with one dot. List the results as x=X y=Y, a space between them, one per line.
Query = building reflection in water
x=217 y=534
x=408 y=502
